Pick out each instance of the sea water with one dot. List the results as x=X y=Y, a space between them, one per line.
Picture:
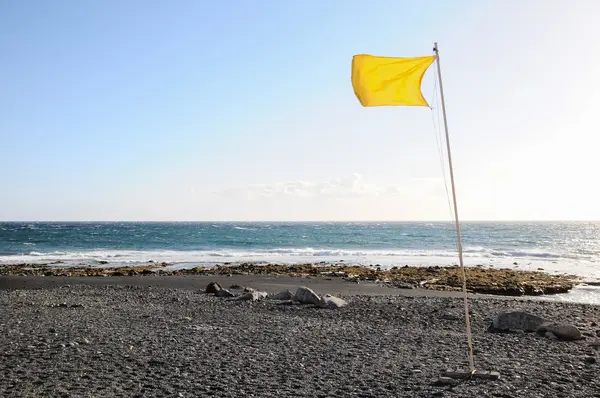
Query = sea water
x=556 y=247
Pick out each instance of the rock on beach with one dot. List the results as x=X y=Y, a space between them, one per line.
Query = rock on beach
x=213 y=287
x=285 y=295
x=224 y=293
x=305 y=295
x=254 y=295
x=516 y=321
x=561 y=330
x=332 y=302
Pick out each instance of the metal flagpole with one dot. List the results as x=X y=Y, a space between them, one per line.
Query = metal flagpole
x=460 y=250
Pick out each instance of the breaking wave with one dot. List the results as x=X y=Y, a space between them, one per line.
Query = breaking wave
x=301 y=254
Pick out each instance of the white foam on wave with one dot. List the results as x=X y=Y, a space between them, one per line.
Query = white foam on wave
x=282 y=252
x=386 y=258
x=580 y=294
x=525 y=253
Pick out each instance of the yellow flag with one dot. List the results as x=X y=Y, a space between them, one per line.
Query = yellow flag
x=386 y=81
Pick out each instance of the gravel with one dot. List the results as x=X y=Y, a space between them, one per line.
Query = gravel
x=139 y=341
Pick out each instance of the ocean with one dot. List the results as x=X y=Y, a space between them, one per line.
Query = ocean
x=556 y=247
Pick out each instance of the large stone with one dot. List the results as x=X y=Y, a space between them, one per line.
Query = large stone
x=236 y=286
x=522 y=321
x=332 y=302
x=260 y=295
x=305 y=295
x=251 y=296
x=561 y=330
x=285 y=295
x=212 y=288
x=516 y=320
x=224 y=293
x=244 y=297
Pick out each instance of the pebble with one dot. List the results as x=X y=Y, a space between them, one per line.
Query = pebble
x=595 y=343
x=446 y=381
x=449 y=316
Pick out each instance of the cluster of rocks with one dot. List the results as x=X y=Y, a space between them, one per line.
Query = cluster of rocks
x=520 y=321
x=303 y=295
x=506 y=282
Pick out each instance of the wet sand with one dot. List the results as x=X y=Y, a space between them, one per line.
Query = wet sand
x=267 y=283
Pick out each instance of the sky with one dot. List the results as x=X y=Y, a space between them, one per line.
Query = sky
x=244 y=110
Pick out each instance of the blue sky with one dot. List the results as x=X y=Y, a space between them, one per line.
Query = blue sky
x=240 y=110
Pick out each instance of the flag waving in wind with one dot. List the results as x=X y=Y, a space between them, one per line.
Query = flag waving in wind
x=386 y=81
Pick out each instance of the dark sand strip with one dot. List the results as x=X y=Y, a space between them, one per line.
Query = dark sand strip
x=268 y=283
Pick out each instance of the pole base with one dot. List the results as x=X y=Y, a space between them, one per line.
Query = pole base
x=458 y=374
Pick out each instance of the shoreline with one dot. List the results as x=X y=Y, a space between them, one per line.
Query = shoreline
x=274 y=284
x=269 y=283
x=185 y=260
x=493 y=281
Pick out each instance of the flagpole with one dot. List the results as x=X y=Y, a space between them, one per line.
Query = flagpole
x=458 y=238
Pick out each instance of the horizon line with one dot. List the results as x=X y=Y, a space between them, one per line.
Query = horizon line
x=300 y=221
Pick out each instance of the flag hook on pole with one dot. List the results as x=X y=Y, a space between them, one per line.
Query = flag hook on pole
x=457 y=224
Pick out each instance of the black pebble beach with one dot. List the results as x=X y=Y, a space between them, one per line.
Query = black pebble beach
x=86 y=340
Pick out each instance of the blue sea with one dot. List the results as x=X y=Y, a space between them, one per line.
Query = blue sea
x=558 y=247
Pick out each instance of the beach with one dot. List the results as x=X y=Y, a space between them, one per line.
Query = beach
x=163 y=336
x=287 y=199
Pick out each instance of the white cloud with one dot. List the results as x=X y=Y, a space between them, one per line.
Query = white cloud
x=352 y=186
